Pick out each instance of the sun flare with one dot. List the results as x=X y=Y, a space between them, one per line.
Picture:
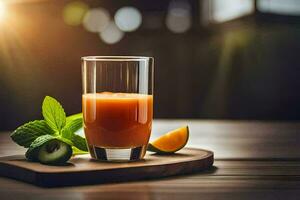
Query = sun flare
x=2 y=10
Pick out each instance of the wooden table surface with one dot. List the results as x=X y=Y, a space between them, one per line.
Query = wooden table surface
x=254 y=160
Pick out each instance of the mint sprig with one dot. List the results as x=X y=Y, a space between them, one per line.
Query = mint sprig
x=68 y=132
x=55 y=126
x=26 y=134
x=53 y=113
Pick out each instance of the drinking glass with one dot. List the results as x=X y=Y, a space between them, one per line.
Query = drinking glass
x=117 y=105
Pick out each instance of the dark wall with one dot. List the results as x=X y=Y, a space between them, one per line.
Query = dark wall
x=243 y=69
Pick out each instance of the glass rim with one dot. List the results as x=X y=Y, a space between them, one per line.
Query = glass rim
x=115 y=58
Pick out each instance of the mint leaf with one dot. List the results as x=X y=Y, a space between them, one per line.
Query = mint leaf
x=31 y=153
x=77 y=151
x=65 y=140
x=74 y=117
x=74 y=125
x=78 y=141
x=27 y=133
x=53 y=113
x=66 y=133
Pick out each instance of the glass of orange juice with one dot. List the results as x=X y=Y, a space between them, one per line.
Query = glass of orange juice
x=117 y=106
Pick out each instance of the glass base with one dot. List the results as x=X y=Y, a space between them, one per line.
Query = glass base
x=117 y=154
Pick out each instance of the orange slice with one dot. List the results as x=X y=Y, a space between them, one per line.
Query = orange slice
x=170 y=142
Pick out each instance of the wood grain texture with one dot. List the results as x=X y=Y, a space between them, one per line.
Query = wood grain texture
x=82 y=170
x=254 y=160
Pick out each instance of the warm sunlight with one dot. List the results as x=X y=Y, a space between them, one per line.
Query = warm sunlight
x=2 y=10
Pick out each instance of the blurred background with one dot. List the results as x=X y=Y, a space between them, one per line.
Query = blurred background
x=214 y=59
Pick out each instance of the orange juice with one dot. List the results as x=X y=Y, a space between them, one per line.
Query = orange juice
x=117 y=120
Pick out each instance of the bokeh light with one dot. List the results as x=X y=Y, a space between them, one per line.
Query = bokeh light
x=74 y=12
x=179 y=17
x=282 y=7
x=111 y=34
x=96 y=20
x=2 y=10
x=128 y=19
x=223 y=11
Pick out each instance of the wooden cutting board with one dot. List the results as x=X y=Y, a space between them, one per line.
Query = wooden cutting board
x=82 y=170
